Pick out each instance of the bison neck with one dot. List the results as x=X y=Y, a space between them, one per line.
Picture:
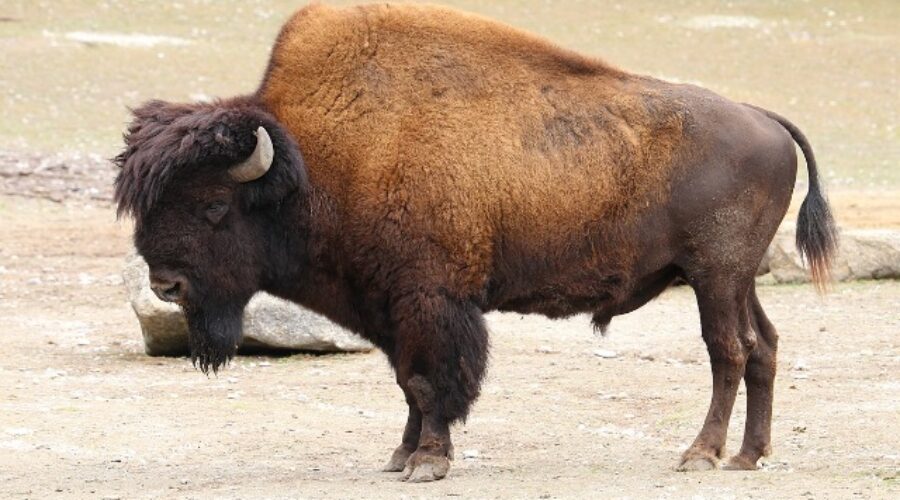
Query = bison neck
x=304 y=266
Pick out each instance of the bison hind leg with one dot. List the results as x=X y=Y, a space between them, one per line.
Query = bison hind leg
x=759 y=377
x=725 y=323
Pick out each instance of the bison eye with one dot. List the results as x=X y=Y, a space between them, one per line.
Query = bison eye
x=216 y=210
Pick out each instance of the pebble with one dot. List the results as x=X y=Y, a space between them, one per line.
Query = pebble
x=605 y=354
x=471 y=454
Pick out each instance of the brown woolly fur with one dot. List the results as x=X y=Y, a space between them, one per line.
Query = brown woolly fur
x=450 y=166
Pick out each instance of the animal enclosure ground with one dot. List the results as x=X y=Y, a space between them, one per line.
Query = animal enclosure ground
x=83 y=412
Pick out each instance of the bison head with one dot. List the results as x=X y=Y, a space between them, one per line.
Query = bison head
x=205 y=184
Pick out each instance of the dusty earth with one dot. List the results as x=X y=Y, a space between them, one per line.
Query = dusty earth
x=84 y=413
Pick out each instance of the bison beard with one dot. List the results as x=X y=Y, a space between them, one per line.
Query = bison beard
x=213 y=334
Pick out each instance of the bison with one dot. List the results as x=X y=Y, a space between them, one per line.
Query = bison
x=404 y=169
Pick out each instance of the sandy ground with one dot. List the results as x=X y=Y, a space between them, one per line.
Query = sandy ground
x=84 y=413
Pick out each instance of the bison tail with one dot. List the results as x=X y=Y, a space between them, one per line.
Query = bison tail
x=816 y=232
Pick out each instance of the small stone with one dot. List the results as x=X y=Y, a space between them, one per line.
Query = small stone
x=545 y=350
x=605 y=354
x=800 y=365
x=471 y=454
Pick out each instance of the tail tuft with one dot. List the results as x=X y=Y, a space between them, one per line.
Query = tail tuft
x=817 y=236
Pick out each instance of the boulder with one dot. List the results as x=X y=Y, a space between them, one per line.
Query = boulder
x=269 y=322
x=862 y=254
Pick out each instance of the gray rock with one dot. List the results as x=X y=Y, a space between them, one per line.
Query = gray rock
x=863 y=254
x=269 y=322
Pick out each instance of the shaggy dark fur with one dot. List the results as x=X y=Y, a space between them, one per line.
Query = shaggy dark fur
x=166 y=141
x=170 y=147
x=451 y=166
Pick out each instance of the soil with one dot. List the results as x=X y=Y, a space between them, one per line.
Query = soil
x=86 y=414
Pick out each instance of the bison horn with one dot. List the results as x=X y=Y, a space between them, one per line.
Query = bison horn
x=259 y=161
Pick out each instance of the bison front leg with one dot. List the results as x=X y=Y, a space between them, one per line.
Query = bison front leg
x=411 y=434
x=440 y=359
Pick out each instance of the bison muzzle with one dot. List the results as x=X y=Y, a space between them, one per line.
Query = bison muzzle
x=404 y=169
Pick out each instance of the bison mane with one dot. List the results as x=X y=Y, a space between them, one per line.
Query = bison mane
x=167 y=141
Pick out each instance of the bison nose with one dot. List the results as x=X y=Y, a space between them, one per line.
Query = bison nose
x=170 y=288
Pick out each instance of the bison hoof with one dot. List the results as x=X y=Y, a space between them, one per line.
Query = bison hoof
x=398 y=460
x=422 y=468
x=740 y=462
x=696 y=464
x=697 y=460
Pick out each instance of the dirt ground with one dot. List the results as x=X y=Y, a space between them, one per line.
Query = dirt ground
x=84 y=413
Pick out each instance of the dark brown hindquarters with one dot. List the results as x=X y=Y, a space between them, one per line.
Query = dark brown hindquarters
x=729 y=240
x=816 y=231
